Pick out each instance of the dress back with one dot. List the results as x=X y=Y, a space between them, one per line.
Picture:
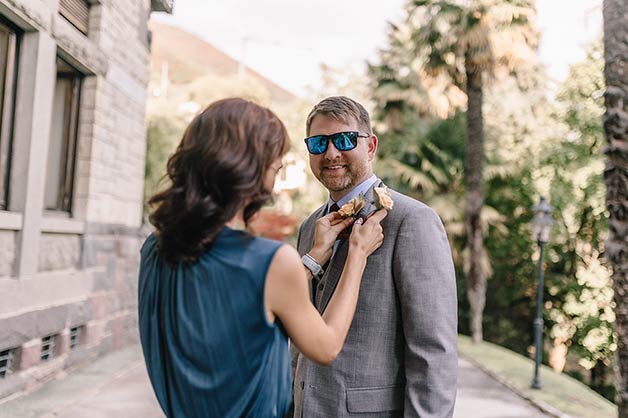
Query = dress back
x=209 y=348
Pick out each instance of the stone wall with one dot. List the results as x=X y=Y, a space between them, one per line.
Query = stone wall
x=73 y=275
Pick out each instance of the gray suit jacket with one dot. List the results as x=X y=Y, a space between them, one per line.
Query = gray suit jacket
x=400 y=356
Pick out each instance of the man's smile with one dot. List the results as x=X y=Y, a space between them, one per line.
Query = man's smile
x=334 y=168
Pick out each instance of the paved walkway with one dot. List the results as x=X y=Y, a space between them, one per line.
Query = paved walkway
x=117 y=387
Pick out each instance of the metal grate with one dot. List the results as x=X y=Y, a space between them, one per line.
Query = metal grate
x=76 y=12
x=75 y=337
x=47 y=347
x=6 y=362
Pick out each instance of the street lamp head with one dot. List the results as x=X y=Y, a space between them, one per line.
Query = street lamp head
x=542 y=222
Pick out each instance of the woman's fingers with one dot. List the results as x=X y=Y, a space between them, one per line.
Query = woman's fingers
x=377 y=216
x=333 y=217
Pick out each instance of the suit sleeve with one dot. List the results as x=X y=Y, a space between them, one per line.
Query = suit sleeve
x=426 y=284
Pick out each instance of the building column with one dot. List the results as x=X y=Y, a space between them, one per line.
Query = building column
x=33 y=110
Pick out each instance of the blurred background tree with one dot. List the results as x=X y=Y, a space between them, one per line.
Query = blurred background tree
x=616 y=177
x=450 y=46
x=534 y=144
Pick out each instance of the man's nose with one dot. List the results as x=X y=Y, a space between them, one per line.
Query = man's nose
x=332 y=152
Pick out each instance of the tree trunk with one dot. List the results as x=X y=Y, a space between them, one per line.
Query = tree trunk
x=474 y=159
x=616 y=178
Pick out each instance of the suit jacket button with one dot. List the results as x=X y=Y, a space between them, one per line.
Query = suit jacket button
x=321 y=286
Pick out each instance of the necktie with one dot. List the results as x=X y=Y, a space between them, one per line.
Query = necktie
x=333 y=208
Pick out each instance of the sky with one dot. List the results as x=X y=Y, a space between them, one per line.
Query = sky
x=287 y=40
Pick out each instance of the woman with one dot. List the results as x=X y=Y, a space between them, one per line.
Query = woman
x=215 y=303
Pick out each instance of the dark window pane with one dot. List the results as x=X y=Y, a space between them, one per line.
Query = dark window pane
x=8 y=52
x=62 y=147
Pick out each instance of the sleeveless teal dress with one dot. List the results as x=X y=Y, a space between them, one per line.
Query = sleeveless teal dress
x=209 y=348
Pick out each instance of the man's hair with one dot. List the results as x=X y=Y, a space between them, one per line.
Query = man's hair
x=218 y=166
x=343 y=109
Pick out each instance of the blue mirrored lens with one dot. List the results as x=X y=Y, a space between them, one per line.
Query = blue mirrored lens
x=317 y=144
x=345 y=141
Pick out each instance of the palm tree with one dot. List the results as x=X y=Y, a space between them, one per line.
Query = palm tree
x=470 y=43
x=616 y=177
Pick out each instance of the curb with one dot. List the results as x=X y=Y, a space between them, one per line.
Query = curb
x=540 y=405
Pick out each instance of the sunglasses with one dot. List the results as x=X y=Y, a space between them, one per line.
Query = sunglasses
x=343 y=141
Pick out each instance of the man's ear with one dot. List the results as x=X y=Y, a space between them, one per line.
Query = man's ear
x=372 y=146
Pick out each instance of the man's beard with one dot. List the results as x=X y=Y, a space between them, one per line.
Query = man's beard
x=354 y=173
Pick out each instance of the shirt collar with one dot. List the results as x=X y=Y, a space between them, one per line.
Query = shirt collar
x=360 y=188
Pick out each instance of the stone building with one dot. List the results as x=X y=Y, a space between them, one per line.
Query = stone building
x=73 y=87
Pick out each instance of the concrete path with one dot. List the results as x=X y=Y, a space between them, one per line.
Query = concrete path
x=480 y=396
x=117 y=387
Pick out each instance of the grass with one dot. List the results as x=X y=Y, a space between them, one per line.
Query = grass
x=560 y=391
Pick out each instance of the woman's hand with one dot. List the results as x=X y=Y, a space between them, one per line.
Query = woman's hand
x=368 y=236
x=326 y=231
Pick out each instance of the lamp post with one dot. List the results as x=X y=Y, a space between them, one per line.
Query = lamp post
x=541 y=228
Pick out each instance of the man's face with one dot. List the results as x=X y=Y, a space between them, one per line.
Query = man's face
x=341 y=171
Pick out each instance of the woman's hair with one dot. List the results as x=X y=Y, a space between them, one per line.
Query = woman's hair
x=221 y=161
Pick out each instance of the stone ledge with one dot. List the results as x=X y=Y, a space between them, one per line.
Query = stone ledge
x=11 y=220
x=95 y=228
x=60 y=225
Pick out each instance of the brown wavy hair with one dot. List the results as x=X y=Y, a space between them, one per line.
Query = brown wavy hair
x=220 y=162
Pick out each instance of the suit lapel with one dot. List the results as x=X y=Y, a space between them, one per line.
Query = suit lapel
x=336 y=265
x=307 y=240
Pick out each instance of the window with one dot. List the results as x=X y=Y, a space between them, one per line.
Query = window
x=75 y=337
x=6 y=362
x=8 y=59
x=76 y=12
x=63 y=132
x=47 y=347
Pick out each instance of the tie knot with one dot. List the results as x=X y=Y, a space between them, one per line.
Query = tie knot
x=334 y=208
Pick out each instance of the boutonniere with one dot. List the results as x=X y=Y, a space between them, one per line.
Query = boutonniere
x=383 y=200
x=352 y=207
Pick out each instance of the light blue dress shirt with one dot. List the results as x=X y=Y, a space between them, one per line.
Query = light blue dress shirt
x=360 y=188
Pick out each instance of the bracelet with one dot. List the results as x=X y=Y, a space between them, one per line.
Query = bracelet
x=309 y=262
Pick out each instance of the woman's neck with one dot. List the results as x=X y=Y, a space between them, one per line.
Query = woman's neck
x=237 y=222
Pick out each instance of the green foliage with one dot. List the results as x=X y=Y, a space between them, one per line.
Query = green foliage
x=164 y=132
x=579 y=284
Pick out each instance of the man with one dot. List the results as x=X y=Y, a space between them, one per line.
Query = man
x=400 y=356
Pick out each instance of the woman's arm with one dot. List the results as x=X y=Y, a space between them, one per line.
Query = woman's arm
x=286 y=295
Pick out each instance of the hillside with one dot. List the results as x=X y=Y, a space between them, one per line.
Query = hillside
x=188 y=57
